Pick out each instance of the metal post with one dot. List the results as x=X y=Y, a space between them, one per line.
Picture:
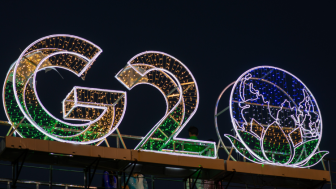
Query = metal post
x=121 y=139
x=50 y=177
x=324 y=167
x=85 y=179
x=13 y=174
x=8 y=184
x=118 y=142
x=16 y=170
x=218 y=146
x=124 y=179
x=119 y=181
x=152 y=182
x=37 y=185
x=234 y=142
x=331 y=184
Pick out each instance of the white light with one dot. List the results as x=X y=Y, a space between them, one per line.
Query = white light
x=298 y=118
x=33 y=77
x=176 y=81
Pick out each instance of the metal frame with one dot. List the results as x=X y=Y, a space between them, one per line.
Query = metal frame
x=130 y=174
x=37 y=183
x=87 y=171
x=15 y=169
x=199 y=170
x=232 y=174
x=50 y=176
x=228 y=174
x=329 y=160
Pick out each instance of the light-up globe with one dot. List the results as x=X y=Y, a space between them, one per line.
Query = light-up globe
x=276 y=119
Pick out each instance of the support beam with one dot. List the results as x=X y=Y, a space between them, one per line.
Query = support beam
x=188 y=179
x=16 y=170
x=87 y=182
x=129 y=176
x=107 y=144
x=85 y=178
x=219 y=180
x=15 y=127
x=234 y=142
x=121 y=139
x=319 y=184
x=331 y=183
x=119 y=180
x=153 y=181
x=199 y=172
x=224 y=110
x=50 y=177
x=230 y=179
x=117 y=141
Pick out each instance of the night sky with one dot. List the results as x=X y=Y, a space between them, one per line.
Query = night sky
x=216 y=41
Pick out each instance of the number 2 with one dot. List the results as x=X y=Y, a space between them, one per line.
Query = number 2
x=179 y=88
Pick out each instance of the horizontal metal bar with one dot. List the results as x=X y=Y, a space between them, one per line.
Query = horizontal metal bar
x=72 y=130
x=181 y=152
x=29 y=166
x=44 y=183
x=5 y=123
x=134 y=137
x=255 y=150
x=187 y=83
x=222 y=111
x=116 y=135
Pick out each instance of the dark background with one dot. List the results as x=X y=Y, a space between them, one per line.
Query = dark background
x=217 y=41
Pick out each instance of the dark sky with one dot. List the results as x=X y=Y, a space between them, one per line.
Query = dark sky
x=217 y=41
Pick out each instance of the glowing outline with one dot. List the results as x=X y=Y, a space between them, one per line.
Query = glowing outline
x=89 y=63
x=233 y=120
x=174 y=135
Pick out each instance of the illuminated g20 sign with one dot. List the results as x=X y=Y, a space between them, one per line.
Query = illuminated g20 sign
x=276 y=119
x=101 y=110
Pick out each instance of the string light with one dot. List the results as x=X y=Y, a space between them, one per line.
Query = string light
x=101 y=110
x=179 y=88
x=275 y=122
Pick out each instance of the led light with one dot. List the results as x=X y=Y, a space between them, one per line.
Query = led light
x=179 y=88
x=101 y=110
x=276 y=119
